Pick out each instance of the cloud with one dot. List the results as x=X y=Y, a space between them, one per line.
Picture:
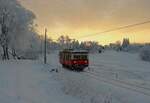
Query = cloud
x=89 y=15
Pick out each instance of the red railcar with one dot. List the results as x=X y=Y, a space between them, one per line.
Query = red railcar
x=74 y=59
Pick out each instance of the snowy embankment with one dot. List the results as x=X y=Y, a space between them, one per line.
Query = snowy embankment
x=122 y=66
x=29 y=82
x=120 y=78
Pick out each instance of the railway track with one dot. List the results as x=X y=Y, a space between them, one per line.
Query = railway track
x=113 y=71
x=119 y=83
x=108 y=68
x=116 y=82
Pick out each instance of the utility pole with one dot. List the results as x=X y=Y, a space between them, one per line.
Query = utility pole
x=45 y=56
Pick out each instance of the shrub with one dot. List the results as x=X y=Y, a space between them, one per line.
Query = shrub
x=145 y=53
x=29 y=55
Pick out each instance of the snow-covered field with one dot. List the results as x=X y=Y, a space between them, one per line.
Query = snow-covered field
x=29 y=82
x=112 y=77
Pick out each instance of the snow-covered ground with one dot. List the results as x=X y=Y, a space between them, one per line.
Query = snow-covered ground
x=112 y=77
x=29 y=82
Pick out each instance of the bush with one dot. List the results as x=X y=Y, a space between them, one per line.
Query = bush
x=145 y=53
x=29 y=56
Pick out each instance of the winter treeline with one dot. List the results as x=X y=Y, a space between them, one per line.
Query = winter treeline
x=126 y=46
x=65 y=42
x=17 y=36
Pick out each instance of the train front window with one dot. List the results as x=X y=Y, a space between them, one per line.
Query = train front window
x=79 y=57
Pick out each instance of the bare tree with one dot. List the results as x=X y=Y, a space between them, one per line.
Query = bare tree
x=5 y=19
x=126 y=42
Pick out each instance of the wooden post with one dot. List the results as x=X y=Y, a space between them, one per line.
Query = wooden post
x=45 y=51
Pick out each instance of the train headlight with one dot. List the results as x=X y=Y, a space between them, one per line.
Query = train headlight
x=86 y=62
x=75 y=62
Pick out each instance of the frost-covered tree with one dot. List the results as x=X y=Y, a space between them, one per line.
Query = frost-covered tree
x=65 y=42
x=61 y=41
x=91 y=46
x=16 y=28
x=75 y=44
x=5 y=20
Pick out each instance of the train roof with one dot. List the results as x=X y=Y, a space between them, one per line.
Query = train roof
x=75 y=51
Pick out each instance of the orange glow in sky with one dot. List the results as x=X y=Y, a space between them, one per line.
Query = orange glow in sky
x=77 y=18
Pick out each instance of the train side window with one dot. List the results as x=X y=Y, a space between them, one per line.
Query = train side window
x=76 y=57
x=84 y=57
x=70 y=57
x=66 y=56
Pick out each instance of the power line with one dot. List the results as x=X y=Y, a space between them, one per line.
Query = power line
x=115 y=29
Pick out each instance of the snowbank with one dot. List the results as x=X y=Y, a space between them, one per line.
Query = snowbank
x=145 y=53
x=30 y=82
x=128 y=67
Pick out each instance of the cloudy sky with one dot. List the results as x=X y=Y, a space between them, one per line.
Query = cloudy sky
x=78 y=18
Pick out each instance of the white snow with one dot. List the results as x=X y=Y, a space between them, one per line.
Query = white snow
x=119 y=77
x=112 y=77
x=27 y=82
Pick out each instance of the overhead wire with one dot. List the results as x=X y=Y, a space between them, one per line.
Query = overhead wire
x=115 y=29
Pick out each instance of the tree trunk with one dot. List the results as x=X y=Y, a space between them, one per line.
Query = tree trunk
x=5 y=53
x=14 y=53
